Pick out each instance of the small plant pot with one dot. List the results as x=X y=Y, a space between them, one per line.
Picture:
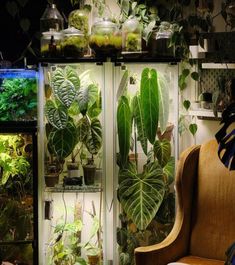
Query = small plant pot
x=93 y=259
x=73 y=170
x=51 y=179
x=89 y=173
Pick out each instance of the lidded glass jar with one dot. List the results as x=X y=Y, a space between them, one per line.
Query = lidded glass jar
x=51 y=19
x=105 y=38
x=160 y=40
x=74 y=43
x=131 y=35
x=51 y=43
x=78 y=19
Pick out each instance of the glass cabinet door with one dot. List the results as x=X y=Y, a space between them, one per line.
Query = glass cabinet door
x=71 y=124
x=18 y=195
x=146 y=150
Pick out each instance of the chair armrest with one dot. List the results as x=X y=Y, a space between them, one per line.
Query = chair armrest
x=175 y=245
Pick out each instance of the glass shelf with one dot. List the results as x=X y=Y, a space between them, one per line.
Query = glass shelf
x=205 y=114
x=73 y=188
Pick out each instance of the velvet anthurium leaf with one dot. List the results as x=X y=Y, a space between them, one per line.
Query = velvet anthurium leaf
x=65 y=84
x=141 y=194
x=164 y=102
x=162 y=151
x=83 y=128
x=87 y=96
x=149 y=97
x=124 y=129
x=169 y=171
x=57 y=116
x=94 y=138
x=63 y=141
x=138 y=119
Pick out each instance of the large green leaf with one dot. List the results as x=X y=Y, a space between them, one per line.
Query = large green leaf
x=65 y=84
x=169 y=170
x=87 y=96
x=63 y=141
x=56 y=116
x=123 y=84
x=138 y=119
x=83 y=129
x=124 y=128
x=141 y=194
x=94 y=138
x=162 y=151
x=164 y=102
x=149 y=97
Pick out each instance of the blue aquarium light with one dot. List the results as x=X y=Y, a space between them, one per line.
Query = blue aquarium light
x=18 y=73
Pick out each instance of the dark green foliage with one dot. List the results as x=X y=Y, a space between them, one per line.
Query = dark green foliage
x=18 y=99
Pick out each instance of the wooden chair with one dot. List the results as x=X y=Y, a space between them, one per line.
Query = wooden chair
x=205 y=220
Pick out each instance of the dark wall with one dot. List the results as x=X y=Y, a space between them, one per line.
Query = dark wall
x=20 y=26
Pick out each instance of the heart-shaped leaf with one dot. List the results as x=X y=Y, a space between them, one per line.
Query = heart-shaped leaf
x=65 y=84
x=94 y=137
x=25 y=24
x=63 y=141
x=56 y=116
x=12 y=8
x=141 y=194
x=162 y=151
x=193 y=128
x=87 y=96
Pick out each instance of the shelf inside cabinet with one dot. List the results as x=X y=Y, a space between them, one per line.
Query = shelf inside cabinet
x=205 y=114
x=73 y=188
x=218 y=65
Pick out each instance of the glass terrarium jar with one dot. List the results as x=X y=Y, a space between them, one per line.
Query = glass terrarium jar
x=78 y=19
x=131 y=36
x=51 y=43
x=74 y=43
x=159 y=42
x=51 y=19
x=105 y=38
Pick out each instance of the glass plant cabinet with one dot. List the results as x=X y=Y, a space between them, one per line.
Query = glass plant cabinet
x=18 y=167
x=90 y=119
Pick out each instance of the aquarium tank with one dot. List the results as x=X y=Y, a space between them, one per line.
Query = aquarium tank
x=18 y=94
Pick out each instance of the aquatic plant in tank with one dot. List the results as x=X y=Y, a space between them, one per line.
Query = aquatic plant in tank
x=18 y=94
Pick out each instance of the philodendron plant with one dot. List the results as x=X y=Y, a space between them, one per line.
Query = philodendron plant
x=142 y=194
x=72 y=113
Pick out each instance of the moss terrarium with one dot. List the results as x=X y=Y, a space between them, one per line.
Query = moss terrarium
x=105 y=38
x=74 y=43
x=131 y=34
x=79 y=19
x=107 y=44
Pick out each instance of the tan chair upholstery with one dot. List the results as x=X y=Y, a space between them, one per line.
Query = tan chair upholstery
x=205 y=220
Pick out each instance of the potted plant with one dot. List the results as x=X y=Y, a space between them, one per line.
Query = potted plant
x=142 y=194
x=72 y=113
x=61 y=130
